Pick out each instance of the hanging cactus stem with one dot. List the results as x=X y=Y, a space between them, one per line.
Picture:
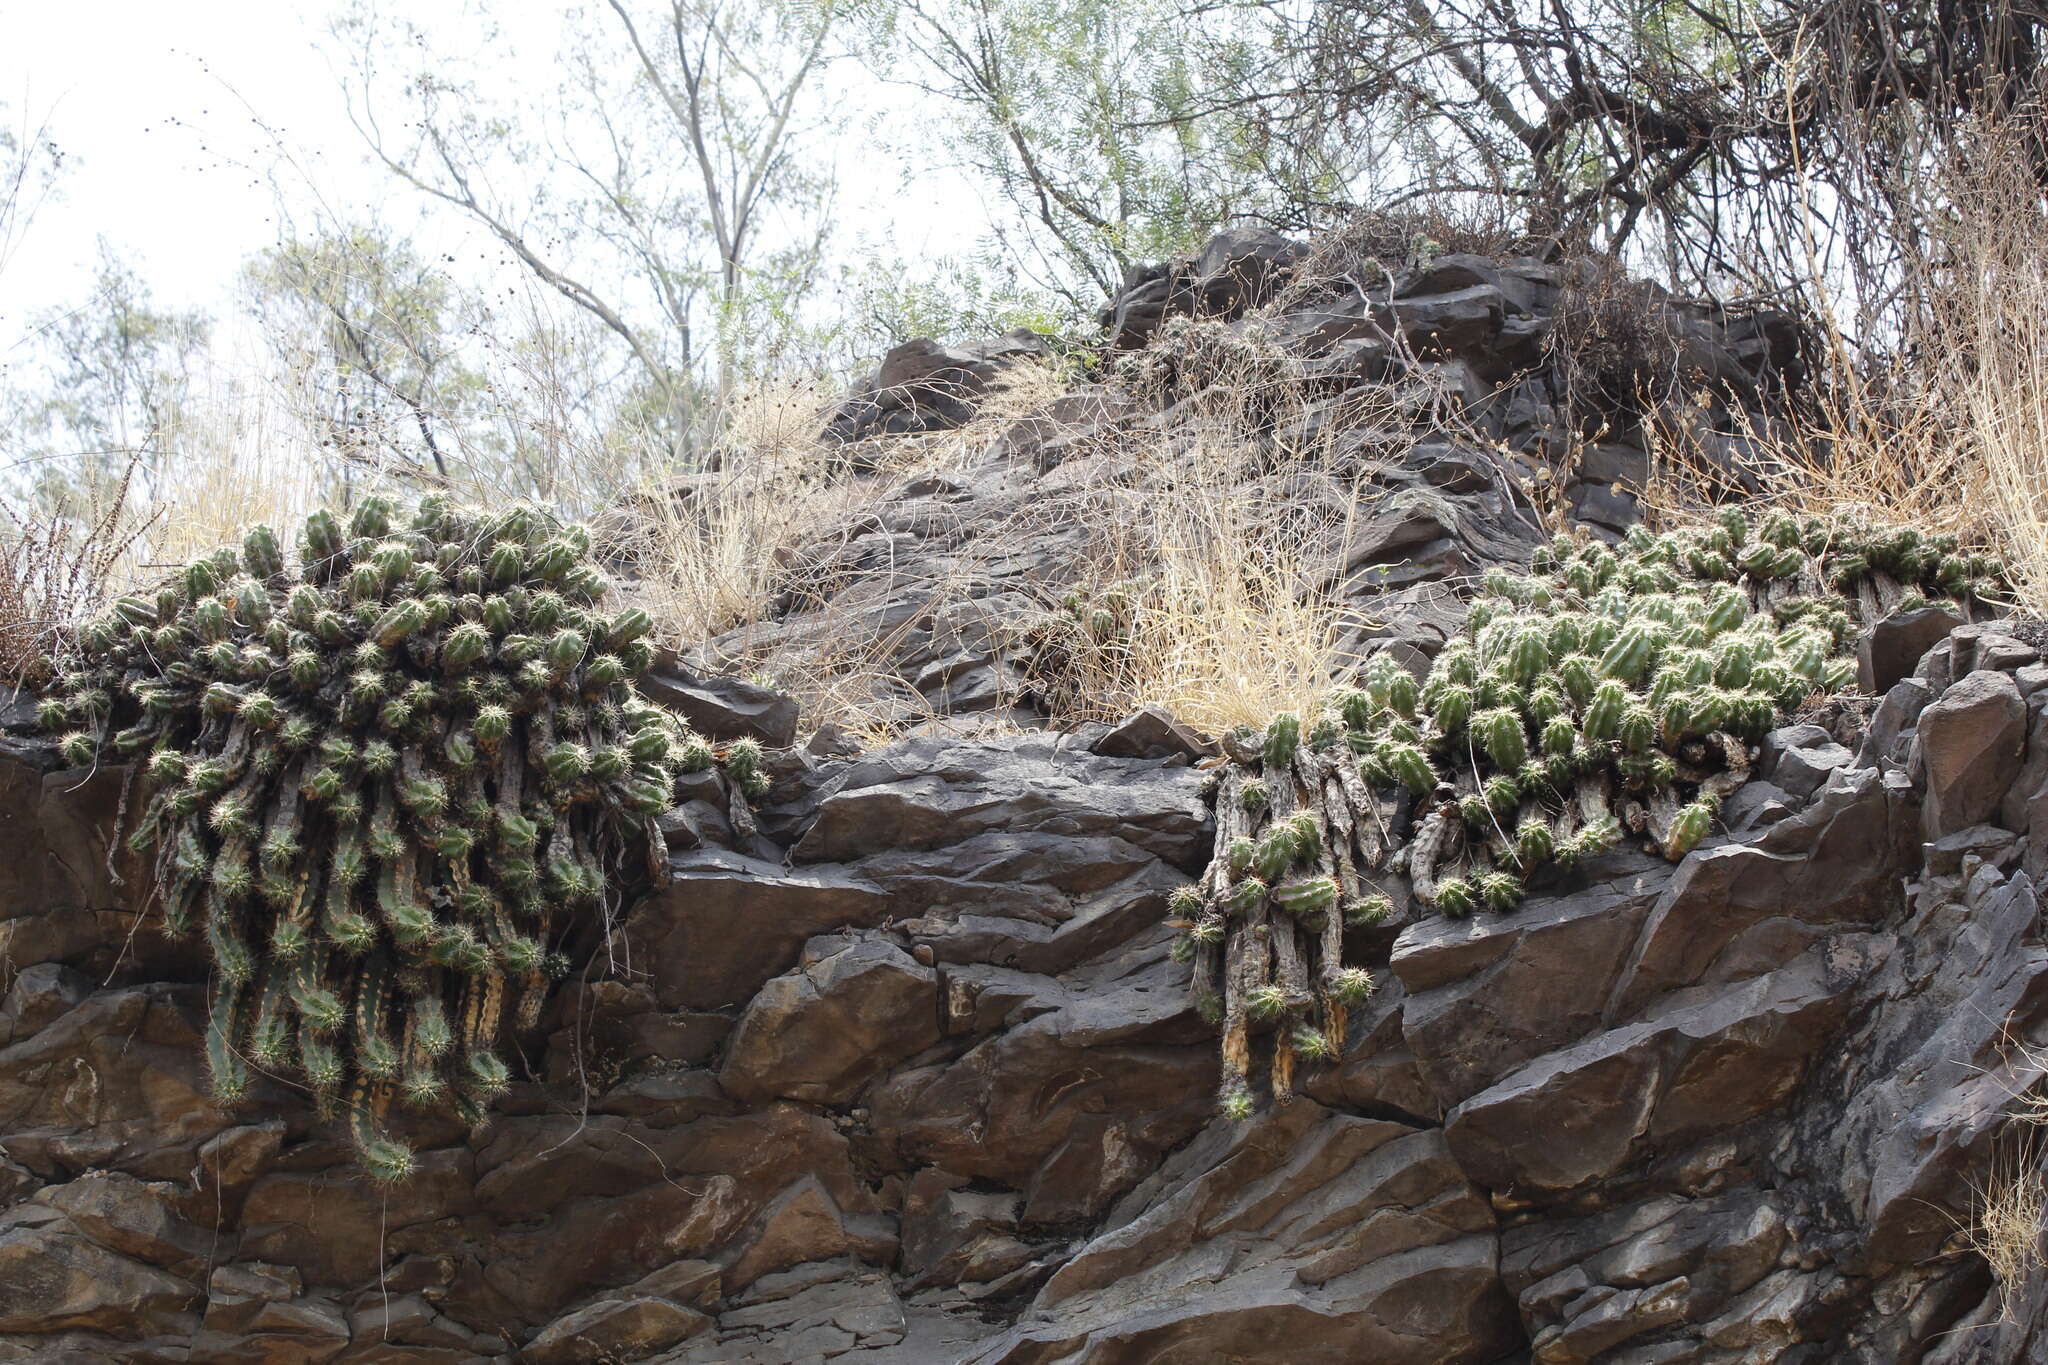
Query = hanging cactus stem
x=1610 y=692
x=361 y=764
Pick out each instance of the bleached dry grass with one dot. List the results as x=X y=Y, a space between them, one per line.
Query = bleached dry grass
x=1224 y=550
x=2011 y=1208
x=1949 y=431
x=1199 y=524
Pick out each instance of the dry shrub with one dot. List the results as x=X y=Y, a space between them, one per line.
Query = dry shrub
x=1219 y=527
x=781 y=424
x=55 y=571
x=1948 y=428
x=1614 y=349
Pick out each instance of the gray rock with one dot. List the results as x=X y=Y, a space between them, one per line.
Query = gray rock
x=1889 y=650
x=1151 y=732
x=924 y=794
x=1802 y=771
x=1583 y=1114
x=614 y=1330
x=853 y=1010
x=1345 y=1238
x=1602 y=505
x=812 y=1312
x=724 y=708
x=726 y=923
x=39 y=995
x=1488 y=993
x=1453 y=323
x=1894 y=718
x=953 y=1235
x=1742 y=909
x=53 y=1279
x=1971 y=738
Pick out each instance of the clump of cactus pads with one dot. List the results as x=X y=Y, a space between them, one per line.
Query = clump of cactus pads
x=390 y=788
x=1610 y=692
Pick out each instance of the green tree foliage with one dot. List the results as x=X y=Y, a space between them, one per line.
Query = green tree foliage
x=101 y=383
x=669 y=183
x=384 y=328
x=1086 y=117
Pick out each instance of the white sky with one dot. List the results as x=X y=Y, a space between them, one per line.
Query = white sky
x=159 y=109
x=190 y=128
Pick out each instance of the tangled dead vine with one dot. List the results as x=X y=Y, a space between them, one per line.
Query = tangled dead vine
x=1609 y=693
x=391 y=787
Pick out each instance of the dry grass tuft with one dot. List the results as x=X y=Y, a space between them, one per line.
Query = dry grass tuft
x=1019 y=389
x=239 y=462
x=1219 y=575
x=2011 y=1208
x=716 y=551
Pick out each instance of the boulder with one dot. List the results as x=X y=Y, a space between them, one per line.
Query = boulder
x=724 y=708
x=1972 y=740
x=52 y=1278
x=726 y=923
x=1584 y=1114
x=925 y=385
x=1343 y=1238
x=1235 y=271
x=1152 y=732
x=1889 y=650
x=818 y=1034
x=614 y=1330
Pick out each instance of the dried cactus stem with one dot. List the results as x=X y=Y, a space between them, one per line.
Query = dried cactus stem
x=1283 y=1068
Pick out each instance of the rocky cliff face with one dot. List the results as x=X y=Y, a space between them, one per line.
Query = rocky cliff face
x=896 y=1069
x=910 y=1077
x=1415 y=419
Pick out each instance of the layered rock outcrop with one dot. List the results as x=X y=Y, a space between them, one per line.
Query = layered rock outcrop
x=911 y=1077
x=897 y=1069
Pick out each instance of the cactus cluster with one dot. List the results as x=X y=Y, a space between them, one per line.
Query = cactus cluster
x=1611 y=691
x=388 y=787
